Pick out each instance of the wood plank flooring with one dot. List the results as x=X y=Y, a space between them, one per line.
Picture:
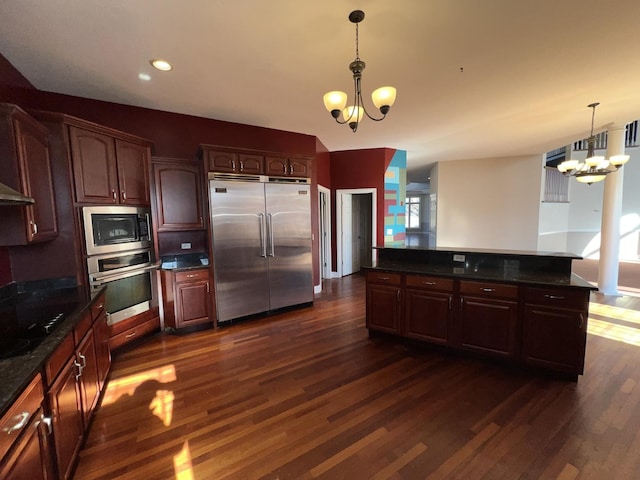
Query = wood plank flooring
x=306 y=394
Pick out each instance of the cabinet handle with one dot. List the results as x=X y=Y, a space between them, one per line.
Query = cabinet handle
x=383 y=278
x=84 y=360
x=124 y=195
x=284 y=168
x=233 y=164
x=554 y=297
x=290 y=169
x=21 y=421
x=241 y=166
x=191 y=275
x=34 y=228
x=429 y=283
x=581 y=323
x=450 y=302
x=113 y=194
x=461 y=301
x=130 y=335
x=80 y=367
x=488 y=290
x=398 y=294
x=208 y=287
x=47 y=422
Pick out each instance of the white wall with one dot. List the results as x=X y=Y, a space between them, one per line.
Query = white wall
x=489 y=203
x=582 y=216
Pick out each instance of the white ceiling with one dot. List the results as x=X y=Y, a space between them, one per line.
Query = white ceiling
x=475 y=78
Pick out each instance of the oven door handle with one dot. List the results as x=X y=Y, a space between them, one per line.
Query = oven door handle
x=100 y=279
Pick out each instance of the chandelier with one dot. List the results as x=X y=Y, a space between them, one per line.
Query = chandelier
x=595 y=167
x=336 y=101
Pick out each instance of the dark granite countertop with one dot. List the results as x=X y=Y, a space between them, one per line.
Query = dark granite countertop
x=516 y=253
x=17 y=372
x=187 y=261
x=489 y=274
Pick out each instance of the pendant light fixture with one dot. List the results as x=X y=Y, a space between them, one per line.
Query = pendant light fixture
x=336 y=101
x=595 y=167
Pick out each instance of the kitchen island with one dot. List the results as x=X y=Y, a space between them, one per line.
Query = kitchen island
x=522 y=307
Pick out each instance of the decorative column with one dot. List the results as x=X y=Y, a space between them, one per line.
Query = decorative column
x=611 y=213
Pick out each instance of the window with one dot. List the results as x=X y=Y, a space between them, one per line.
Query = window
x=412 y=217
x=556 y=186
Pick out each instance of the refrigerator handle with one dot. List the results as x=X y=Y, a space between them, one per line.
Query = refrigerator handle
x=263 y=245
x=272 y=252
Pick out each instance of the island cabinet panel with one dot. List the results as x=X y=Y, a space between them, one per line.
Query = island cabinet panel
x=178 y=192
x=429 y=308
x=27 y=168
x=488 y=318
x=555 y=328
x=384 y=307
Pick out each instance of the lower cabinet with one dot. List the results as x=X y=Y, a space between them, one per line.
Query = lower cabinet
x=25 y=443
x=542 y=327
x=555 y=328
x=187 y=297
x=488 y=318
x=133 y=328
x=384 y=302
x=429 y=309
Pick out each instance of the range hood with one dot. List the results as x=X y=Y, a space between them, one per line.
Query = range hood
x=9 y=196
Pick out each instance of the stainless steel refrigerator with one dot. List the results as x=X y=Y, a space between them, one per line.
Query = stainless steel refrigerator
x=261 y=234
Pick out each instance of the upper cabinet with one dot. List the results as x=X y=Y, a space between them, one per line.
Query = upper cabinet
x=108 y=169
x=26 y=167
x=178 y=194
x=254 y=162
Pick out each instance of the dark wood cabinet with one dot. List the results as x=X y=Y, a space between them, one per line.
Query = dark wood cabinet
x=287 y=166
x=103 y=353
x=488 y=318
x=429 y=308
x=178 y=195
x=187 y=297
x=133 y=328
x=108 y=169
x=555 y=328
x=89 y=383
x=234 y=162
x=384 y=302
x=65 y=405
x=25 y=441
x=26 y=167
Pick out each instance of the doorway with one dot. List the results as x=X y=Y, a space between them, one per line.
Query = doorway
x=324 y=219
x=356 y=229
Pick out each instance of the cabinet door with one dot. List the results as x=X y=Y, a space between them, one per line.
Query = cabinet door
x=224 y=162
x=250 y=164
x=488 y=325
x=35 y=160
x=178 y=196
x=89 y=382
x=276 y=166
x=299 y=167
x=94 y=166
x=428 y=315
x=66 y=413
x=30 y=458
x=555 y=338
x=133 y=172
x=192 y=303
x=383 y=308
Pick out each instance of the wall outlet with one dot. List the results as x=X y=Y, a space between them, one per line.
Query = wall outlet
x=185 y=246
x=458 y=258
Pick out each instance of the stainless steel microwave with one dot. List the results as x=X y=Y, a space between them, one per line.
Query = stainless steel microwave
x=109 y=229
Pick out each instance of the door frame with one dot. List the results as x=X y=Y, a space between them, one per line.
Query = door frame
x=324 y=226
x=374 y=216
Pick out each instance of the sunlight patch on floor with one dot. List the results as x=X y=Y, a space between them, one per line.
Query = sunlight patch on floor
x=182 y=463
x=618 y=313
x=612 y=331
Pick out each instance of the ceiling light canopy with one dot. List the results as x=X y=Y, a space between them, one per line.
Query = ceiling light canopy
x=160 y=64
x=595 y=168
x=336 y=101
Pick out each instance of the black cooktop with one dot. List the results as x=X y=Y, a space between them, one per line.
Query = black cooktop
x=26 y=320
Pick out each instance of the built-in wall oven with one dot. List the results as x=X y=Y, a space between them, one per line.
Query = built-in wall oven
x=120 y=255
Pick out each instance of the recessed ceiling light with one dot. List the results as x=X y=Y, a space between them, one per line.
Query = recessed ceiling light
x=160 y=64
x=144 y=76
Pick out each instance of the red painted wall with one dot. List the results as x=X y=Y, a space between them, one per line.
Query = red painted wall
x=359 y=169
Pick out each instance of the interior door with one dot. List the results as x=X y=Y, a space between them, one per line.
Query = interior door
x=346 y=209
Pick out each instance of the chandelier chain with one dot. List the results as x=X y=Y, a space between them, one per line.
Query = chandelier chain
x=357 y=47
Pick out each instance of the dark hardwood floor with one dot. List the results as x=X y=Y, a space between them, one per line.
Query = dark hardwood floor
x=307 y=394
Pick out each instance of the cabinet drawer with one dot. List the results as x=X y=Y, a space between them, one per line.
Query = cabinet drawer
x=16 y=420
x=133 y=333
x=57 y=360
x=384 y=277
x=557 y=297
x=97 y=306
x=488 y=289
x=192 y=275
x=431 y=283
